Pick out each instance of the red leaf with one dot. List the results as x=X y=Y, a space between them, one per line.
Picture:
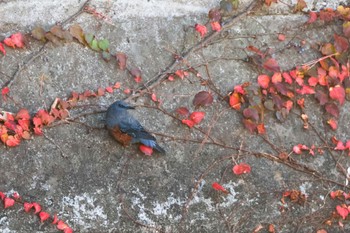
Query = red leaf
x=203 y=98
x=261 y=128
x=281 y=37
x=100 y=91
x=197 y=117
x=127 y=91
x=18 y=40
x=27 y=206
x=235 y=101
x=287 y=78
x=138 y=79
x=276 y=77
x=333 y=123
x=241 y=168
x=109 y=89
x=2 y=196
x=340 y=146
x=2 y=48
x=9 y=42
x=13 y=141
x=215 y=26
x=250 y=125
x=146 y=150
x=180 y=74
x=68 y=230
x=201 y=29
x=255 y=50
x=16 y=196
x=5 y=91
x=37 y=207
x=188 y=122
x=251 y=113
x=121 y=59
x=297 y=149
x=312 y=17
x=264 y=80
x=22 y=114
x=136 y=72
x=218 y=187
x=171 y=78
x=239 y=89
x=342 y=211
x=183 y=111
x=337 y=93
x=271 y=65
x=8 y=202
x=305 y=90
x=341 y=44
x=43 y=216
x=154 y=97
x=312 y=81
x=38 y=131
x=117 y=85
x=61 y=225
x=268 y=2
x=55 y=219
x=288 y=105
x=332 y=109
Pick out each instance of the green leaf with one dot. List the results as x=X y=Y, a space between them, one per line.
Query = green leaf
x=103 y=44
x=94 y=45
x=89 y=37
x=106 y=56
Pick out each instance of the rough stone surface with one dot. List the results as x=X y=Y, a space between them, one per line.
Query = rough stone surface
x=99 y=186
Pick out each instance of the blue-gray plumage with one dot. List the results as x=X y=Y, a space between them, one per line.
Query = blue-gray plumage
x=126 y=129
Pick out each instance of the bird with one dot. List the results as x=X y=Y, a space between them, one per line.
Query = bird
x=125 y=129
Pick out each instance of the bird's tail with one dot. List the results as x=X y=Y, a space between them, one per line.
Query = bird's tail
x=159 y=149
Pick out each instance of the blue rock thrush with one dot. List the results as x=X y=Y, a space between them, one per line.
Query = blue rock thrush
x=126 y=129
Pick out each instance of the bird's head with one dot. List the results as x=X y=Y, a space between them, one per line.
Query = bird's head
x=122 y=105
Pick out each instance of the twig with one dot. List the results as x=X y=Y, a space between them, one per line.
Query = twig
x=21 y=67
x=53 y=142
x=160 y=77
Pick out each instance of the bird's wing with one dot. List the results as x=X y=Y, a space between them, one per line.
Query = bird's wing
x=131 y=126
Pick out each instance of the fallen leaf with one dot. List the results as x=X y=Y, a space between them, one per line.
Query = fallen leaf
x=218 y=187
x=241 y=168
x=271 y=65
x=121 y=60
x=333 y=123
x=201 y=29
x=8 y=202
x=342 y=211
x=109 y=89
x=146 y=150
x=183 y=111
x=281 y=37
x=43 y=216
x=312 y=17
x=215 y=26
x=264 y=80
x=55 y=219
x=235 y=101
x=337 y=93
x=2 y=48
x=37 y=207
x=188 y=122
x=203 y=98
x=27 y=206
x=341 y=44
x=77 y=32
x=197 y=117
x=8 y=41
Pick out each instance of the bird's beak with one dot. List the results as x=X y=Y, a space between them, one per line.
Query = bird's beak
x=130 y=107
